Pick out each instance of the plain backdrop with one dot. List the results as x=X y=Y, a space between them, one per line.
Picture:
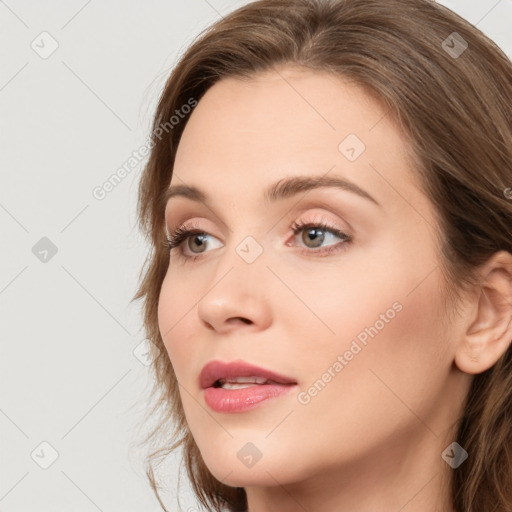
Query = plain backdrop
x=78 y=87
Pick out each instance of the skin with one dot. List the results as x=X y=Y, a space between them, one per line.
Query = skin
x=372 y=438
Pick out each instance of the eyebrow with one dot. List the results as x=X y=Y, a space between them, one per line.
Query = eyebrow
x=283 y=189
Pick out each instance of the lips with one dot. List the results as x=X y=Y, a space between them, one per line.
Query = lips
x=238 y=386
x=216 y=373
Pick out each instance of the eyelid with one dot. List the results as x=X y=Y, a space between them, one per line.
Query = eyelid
x=189 y=225
x=324 y=211
x=309 y=218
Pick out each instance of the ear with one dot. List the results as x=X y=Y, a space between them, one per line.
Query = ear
x=489 y=332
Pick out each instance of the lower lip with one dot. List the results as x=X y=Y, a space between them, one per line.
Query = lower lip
x=239 y=400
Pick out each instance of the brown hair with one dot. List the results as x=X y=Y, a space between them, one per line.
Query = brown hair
x=456 y=110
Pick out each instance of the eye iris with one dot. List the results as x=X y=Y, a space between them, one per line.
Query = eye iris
x=318 y=239
x=201 y=237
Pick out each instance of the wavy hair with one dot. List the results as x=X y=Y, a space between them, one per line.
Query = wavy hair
x=454 y=104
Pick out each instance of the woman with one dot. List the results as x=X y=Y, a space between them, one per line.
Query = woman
x=331 y=277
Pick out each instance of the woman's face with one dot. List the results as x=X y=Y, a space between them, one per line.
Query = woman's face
x=354 y=324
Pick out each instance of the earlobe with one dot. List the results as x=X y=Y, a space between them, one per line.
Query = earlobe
x=489 y=332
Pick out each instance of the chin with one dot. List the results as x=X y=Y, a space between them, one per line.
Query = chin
x=247 y=477
x=243 y=466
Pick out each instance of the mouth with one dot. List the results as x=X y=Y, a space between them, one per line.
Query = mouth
x=240 y=386
x=220 y=374
x=242 y=382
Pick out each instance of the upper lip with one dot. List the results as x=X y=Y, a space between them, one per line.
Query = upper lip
x=216 y=370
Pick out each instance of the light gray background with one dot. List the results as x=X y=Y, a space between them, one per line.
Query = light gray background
x=69 y=376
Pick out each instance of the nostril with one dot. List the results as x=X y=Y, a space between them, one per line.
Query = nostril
x=240 y=319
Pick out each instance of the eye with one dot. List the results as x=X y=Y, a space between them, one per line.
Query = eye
x=314 y=235
x=193 y=238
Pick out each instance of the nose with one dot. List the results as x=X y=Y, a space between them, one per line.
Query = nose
x=238 y=296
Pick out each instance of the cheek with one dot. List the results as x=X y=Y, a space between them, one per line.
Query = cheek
x=385 y=355
x=174 y=313
x=180 y=326
x=357 y=298
x=380 y=307
x=383 y=393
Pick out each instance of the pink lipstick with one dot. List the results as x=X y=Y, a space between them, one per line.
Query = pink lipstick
x=240 y=386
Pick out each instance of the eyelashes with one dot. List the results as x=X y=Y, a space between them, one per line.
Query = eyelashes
x=180 y=235
x=176 y=239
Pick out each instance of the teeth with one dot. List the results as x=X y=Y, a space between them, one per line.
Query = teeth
x=230 y=385
x=245 y=380
x=241 y=382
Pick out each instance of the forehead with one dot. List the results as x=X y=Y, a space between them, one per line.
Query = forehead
x=280 y=110
x=245 y=134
